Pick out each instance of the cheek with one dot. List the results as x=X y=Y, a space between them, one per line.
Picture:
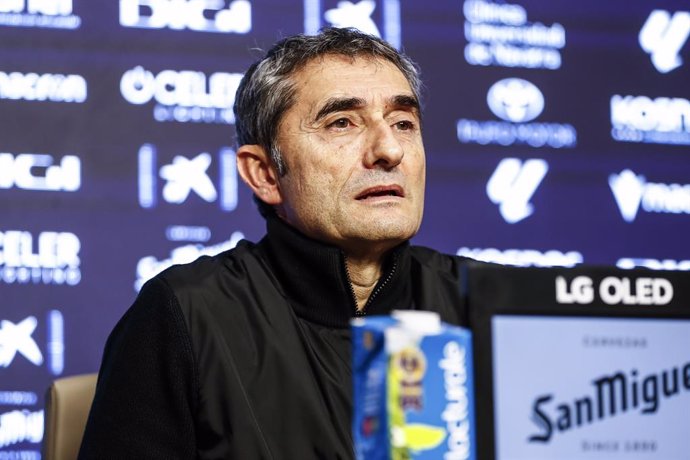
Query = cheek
x=418 y=170
x=313 y=189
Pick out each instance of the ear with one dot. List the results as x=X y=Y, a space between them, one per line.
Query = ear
x=256 y=169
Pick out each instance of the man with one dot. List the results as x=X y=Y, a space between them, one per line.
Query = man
x=246 y=355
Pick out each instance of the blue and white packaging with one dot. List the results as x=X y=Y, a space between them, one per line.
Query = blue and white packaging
x=413 y=388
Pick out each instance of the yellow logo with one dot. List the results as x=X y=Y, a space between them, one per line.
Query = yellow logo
x=411 y=367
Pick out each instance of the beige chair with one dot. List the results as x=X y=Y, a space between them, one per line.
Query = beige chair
x=68 y=402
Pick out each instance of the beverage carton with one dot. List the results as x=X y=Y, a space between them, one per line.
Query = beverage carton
x=413 y=388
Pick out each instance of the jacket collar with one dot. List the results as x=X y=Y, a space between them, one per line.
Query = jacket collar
x=314 y=277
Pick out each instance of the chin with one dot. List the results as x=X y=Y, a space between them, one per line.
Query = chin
x=395 y=232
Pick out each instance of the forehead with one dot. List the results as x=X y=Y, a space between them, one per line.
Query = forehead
x=337 y=75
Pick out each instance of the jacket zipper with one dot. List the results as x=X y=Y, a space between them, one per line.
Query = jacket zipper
x=353 y=296
x=377 y=289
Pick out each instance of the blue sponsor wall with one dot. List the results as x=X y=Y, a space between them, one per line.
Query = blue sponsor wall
x=555 y=135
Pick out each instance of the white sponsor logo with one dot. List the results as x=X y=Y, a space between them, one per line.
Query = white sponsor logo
x=54 y=260
x=185 y=175
x=54 y=14
x=663 y=36
x=42 y=87
x=662 y=120
x=632 y=191
x=33 y=171
x=357 y=14
x=20 y=455
x=523 y=257
x=512 y=186
x=56 y=342
x=16 y=338
x=20 y=426
x=614 y=291
x=456 y=413
x=196 y=15
x=18 y=398
x=653 y=264
x=149 y=266
x=517 y=102
x=627 y=190
x=188 y=233
x=500 y=34
x=183 y=96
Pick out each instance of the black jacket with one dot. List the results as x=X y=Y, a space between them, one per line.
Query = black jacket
x=246 y=355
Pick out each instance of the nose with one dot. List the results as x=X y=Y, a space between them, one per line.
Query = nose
x=384 y=149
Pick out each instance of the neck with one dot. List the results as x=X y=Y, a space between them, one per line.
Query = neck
x=364 y=273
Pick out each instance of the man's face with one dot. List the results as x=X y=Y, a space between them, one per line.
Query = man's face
x=353 y=148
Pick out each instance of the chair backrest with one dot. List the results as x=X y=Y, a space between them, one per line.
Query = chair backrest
x=68 y=402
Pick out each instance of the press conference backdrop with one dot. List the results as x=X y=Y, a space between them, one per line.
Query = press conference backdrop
x=556 y=133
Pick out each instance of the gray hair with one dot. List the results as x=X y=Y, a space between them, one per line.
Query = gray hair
x=267 y=90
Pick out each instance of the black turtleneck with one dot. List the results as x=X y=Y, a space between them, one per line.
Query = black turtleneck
x=246 y=354
x=315 y=277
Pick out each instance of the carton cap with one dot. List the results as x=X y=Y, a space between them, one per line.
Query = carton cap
x=424 y=322
x=397 y=339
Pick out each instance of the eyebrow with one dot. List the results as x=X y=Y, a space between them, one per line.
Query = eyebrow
x=405 y=101
x=337 y=104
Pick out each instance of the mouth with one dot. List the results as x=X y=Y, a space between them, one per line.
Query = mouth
x=381 y=191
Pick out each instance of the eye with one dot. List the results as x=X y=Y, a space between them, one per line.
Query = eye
x=340 y=123
x=405 y=125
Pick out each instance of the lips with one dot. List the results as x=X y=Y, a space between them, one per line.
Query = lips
x=381 y=191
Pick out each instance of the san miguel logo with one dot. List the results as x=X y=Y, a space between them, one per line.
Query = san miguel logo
x=613 y=394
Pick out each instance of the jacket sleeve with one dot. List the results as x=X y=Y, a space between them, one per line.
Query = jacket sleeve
x=146 y=394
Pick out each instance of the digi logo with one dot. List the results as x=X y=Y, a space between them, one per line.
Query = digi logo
x=32 y=171
x=218 y=16
x=186 y=176
x=55 y=14
x=663 y=36
x=379 y=18
x=47 y=7
x=515 y=100
x=512 y=186
x=16 y=340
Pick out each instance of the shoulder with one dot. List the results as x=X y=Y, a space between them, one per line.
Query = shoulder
x=208 y=274
x=440 y=282
x=225 y=289
x=450 y=265
x=198 y=287
x=209 y=265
